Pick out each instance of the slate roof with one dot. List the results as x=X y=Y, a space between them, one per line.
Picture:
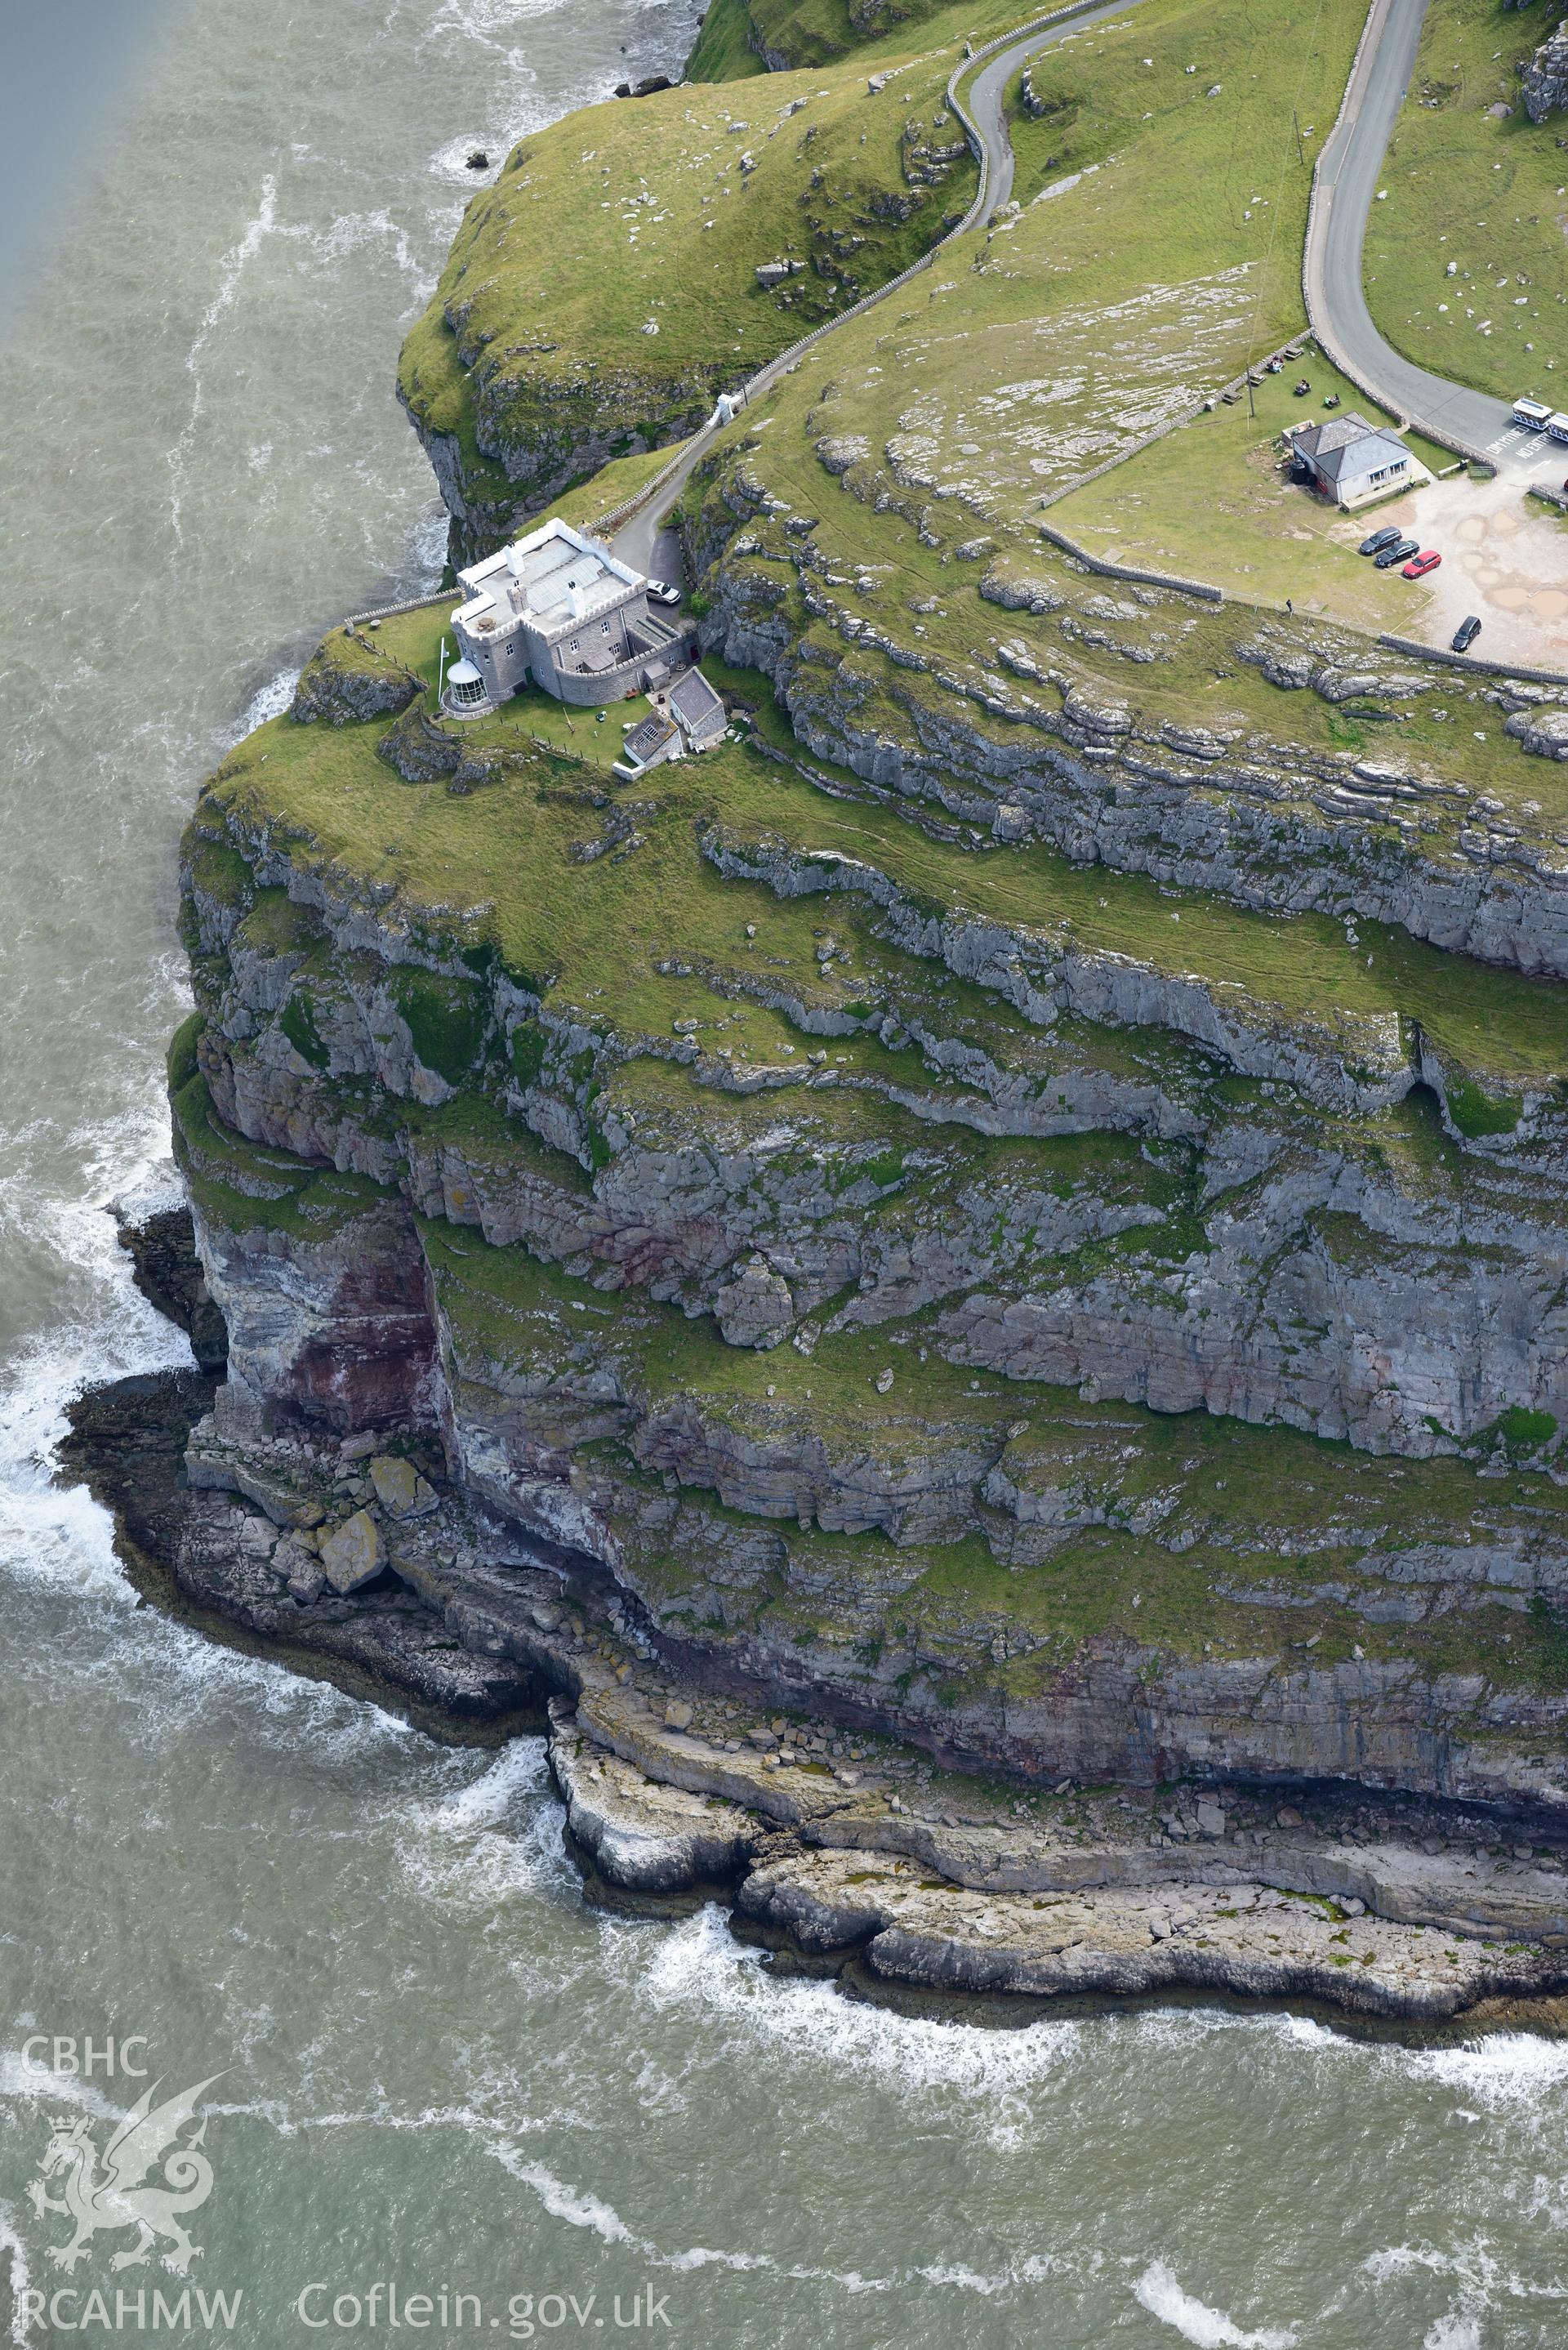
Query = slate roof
x=695 y=704
x=1346 y=445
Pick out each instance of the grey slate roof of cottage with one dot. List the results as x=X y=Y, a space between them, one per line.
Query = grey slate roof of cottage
x=1347 y=445
x=695 y=704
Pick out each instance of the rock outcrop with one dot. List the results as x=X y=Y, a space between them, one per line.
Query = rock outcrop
x=1543 y=78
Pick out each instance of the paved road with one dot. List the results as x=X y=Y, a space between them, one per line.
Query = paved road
x=984 y=98
x=643 y=541
x=1348 y=175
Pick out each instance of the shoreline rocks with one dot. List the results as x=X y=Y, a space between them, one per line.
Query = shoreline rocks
x=679 y=1780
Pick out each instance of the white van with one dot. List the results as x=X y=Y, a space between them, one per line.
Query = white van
x=1534 y=413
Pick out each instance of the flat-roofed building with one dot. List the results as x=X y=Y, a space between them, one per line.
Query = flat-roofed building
x=559 y=610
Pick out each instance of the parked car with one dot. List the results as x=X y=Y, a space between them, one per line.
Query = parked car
x=1419 y=566
x=1396 y=552
x=1379 y=540
x=662 y=592
x=1465 y=635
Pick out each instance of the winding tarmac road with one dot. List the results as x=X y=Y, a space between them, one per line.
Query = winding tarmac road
x=1344 y=186
x=643 y=540
x=1345 y=189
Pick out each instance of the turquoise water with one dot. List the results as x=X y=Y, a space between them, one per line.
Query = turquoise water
x=433 y=2069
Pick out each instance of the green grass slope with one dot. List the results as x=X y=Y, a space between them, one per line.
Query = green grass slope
x=516 y=849
x=1157 y=246
x=598 y=297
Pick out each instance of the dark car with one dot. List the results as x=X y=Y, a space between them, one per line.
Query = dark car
x=1399 y=550
x=1466 y=634
x=1378 y=540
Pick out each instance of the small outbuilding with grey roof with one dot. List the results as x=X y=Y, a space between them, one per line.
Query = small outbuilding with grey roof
x=1353 y=461
x=649 y=741
x=696 y=710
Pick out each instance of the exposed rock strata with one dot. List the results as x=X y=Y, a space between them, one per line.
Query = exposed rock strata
x=936 y=1881
x=1270 y=825
x=1303 y=1255
x=1543 y=78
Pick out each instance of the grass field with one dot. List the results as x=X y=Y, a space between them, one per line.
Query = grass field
x=1213 y=502
x=1487 y=192
x=508 y=849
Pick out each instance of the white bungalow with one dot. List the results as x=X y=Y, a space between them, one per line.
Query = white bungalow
x=1353 y=461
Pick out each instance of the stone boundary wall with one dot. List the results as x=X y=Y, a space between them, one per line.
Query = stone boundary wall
x=391 y=611
x=1130 y=571
x=1468 y=660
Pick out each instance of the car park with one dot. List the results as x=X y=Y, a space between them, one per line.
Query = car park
x=1419 y=564
x=1466 y=634
x=1398 y=551
x=1379 y=540
x=662 y=592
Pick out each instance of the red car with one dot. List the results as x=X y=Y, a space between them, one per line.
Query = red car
x=1419 y=564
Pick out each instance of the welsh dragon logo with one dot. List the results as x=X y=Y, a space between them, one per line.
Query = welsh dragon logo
x=121 y=2195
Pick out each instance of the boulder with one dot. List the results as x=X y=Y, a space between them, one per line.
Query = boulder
x=1016 y=592
x=1288 y=670
x=1543 y=78
x=838 y=452
x=353 y=1554
x=756 y=1309
x=1081 y=709
x=1543 y=732
x=400 y=1489
x=1343 y=684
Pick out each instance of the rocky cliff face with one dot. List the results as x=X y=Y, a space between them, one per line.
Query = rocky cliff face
x=1068 y=1360
x=1024 y=746
x=1543 y=78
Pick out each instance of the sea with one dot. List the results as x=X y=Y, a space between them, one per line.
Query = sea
x=446 y=2097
